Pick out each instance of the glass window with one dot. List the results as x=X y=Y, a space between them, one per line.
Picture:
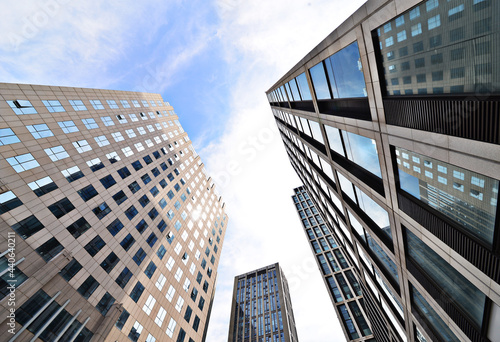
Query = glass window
x=56 y=153
x=88 y=287
x=101 y=140
x=54 y=106
x=21 y=107
x=43 y=186
x=38 y=132
x=61 y=207
x=77 y=105
x=462 y=292
x=68 y=126
x=90 y=123
x=451 y=199
x=362 y=151
x=112 y=104
x=27 y=227
x=125 y=103
x=320 y=82
x=304 y=87
x=96 y=104
x=72 y=174
x=82 y=146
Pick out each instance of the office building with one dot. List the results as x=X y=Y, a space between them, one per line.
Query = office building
x=110 y=228
x=338 y=273
x=261 y=308
x=391 y=123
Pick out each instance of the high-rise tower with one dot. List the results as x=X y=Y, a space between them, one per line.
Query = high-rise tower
x=261 y=308
x=110 y=227
x=392 y=124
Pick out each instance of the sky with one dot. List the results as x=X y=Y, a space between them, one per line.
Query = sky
x=213 y=61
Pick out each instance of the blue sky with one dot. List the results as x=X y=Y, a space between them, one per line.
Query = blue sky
x=213 y=61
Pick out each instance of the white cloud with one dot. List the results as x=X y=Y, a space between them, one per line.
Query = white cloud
x=263 y=40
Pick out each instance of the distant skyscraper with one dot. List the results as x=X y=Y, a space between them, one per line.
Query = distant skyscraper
x=339 y=274
x=261 y=308
x=110 y=228
x=392 y=124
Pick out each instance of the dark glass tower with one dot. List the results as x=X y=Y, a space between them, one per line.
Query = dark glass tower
x=261 y=308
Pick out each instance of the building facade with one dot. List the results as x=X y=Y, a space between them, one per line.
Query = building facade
x=339 y=275
x=392 y=125
x=261 y=308
x=111 y=230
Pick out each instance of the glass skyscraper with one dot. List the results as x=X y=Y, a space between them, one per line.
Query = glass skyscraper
x=111 y=228
x=392 y=124
x=261 y=308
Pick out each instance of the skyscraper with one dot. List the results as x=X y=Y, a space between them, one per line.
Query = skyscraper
x=339 y=274
x=392 y=124
x=110 y=227
x=261 y=308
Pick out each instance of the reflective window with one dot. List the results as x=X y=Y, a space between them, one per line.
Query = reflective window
x=304 y=87
x=470 y=204
x=112 y=104
x=7 y=136
x=53 y=106
x=461 y=291
x=21 y=107
x=68 y=126
x=42 y=186
x=23 y=162
x=56 y=153
x=90 y=123
x=77 y=105
x=117 y=136
x=125 y=103
x=96 y=104
x=101 y=140
x=37 y=131
x=8 y=201
x=82 y=146
x=388 y=264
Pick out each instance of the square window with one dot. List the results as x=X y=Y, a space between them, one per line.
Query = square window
x=7 y=136
x=82 y=146
x=96 y=104
x=101 y=140
x=68 y=126
x=56 y=153
x=112 y=104
x=53 y=106
x=21 y=107
x=90 y=123
x=77 y=105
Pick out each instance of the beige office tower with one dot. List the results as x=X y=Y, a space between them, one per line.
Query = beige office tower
x=261 y=307
x=110 y=228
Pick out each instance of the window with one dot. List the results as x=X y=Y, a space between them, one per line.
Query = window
x=107 y=181
x=70 y=270
x=146 y=179
x=431 y=4
x=82 y=146
x=131 y=212
x=139 y=256
x=135 y=332
x=95 y=245
x=77 y=105
x=170 y=263
x=434 y=22
x=49 y=249
x=170 y=293
x=160 y=317
x=37 y=131
x=187 y=314
x=78 y=228
x=401 y=36
x=171 y=327
x=121 y=119
x=127 y=151
x=88 y=287
x=178 y=274
x=21 y=107
x=149 y=304
x=145 y=103
x=68 y=126
x=72 y=174
x=415 y=13
x=137 y=291
x=141 y=130
x=150 y=269
x=110 y=262
x=124 y=173
x=87 y=192
x=90 y=123
x=144 y=200
x=112 y=104
x=95 y=164
x=117 y=136
x=154 y=191
x=139 y=147
x=134 y=187
x=105 y=303
x=61 y=207
x=102 y=210
x=122 y=319
x=9 y=201
x=115 y=227
x=96 y=104
x=23 y=162
x=27 y=227
x=130 y=133
x=161 y=252
x=53 y=106
x=136 y=103
x=127 y=242
x=56 y=153
x=101 y=140
x=107 y=121
x=179 y=304
x=113 y=157
x=151 y=240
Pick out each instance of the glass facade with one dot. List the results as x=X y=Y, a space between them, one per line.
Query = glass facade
x=466 y=197
x=340 y=75
x=448 y=47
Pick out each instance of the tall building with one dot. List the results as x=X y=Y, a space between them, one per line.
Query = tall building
x=261 y=308
x=391 y=123
x=339 y=274
x=111 y=230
